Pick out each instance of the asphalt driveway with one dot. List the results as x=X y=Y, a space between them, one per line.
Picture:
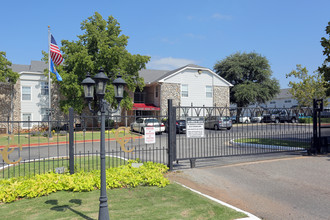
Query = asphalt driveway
x=294 y=187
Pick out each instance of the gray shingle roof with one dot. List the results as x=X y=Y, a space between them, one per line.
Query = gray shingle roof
x=151 y=76
x=36 y=66
x=284 y=94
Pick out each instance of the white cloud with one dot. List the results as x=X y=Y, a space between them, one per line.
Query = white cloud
x=219 y=16
x=169 y=63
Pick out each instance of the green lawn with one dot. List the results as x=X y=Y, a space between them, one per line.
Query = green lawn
x=141 y=203
x=276 y=142
x=86 y=163
x=78 y=136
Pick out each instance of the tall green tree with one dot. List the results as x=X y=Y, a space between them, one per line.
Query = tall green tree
x=308 y=88
x=250 y=73
x=325 y=68
x=7 y=75
x=100 y=45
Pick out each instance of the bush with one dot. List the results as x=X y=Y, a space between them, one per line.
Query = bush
x=109 y=123
x=306 y=120
x=149 y=174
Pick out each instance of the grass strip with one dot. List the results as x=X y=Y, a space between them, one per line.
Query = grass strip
x=141 y=203
x=83 y=163
x=276 y=142
x=27 y=138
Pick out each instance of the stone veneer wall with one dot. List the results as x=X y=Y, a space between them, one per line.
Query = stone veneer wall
x=6 y=91
x=221 y=98
x=169 y=91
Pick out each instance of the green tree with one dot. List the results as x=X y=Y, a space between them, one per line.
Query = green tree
x=7 y=75
x=325 y=68
x=100 y=45
x=310 y=87
x=250 y=74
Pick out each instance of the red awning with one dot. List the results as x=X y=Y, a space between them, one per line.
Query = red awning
x=145 y=107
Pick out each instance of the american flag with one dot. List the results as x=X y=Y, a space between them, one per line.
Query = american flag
x=55 y=52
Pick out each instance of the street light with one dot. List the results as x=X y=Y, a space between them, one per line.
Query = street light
x=100 y=81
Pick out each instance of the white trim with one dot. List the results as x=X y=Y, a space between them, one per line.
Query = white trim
x=31 y=119
x=208 y=91
x=23 y=100
x=195 y=68
x=185 y=90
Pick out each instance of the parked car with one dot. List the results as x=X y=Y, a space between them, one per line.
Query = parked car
x=180 y=126
x=278 y=116
x=242 y=119
x=217 y=122
x=256 y=119
x=140 y=124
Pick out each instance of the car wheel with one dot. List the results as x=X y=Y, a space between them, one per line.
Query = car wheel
x=142 y=130
x=216 y=127
x=277 y=120
x=228 y=128
x=293 y=120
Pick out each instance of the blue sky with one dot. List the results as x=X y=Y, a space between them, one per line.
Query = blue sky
x=177 y=33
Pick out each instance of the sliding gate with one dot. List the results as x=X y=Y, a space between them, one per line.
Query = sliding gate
x=237 y=132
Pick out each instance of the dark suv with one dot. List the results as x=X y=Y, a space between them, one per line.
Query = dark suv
x=180 y=126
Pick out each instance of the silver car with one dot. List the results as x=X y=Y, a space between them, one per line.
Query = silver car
x=140 y=124
x=217 y=122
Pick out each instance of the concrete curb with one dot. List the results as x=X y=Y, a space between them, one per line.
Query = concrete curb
x=250 y=216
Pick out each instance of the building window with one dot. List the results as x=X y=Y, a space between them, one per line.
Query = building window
x=26 y=93
x=157 y=91
x=208 y=91
x=287 y=101
x=44 y=88
x=184 y=90
x=26 y=118
x=44 y=114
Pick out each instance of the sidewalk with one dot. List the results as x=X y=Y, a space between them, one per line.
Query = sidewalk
x=294 y=187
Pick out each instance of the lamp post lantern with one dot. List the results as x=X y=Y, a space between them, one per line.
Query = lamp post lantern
x=100 y=81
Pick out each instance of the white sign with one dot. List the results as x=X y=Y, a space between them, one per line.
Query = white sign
x=195 y=127
x=149 y=135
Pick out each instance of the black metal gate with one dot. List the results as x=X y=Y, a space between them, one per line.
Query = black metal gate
x=239 y=132
x=321 y=128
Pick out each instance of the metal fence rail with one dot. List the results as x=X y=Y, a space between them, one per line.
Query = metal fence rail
x=27 y=148
x=252 y=131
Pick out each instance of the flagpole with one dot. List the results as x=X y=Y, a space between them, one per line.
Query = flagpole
x=49 y=88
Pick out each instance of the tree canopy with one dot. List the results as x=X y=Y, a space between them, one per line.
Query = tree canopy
x=100 y=45
x=310 y=87
x=7 y=75
x=250 y=73
x=325 y=68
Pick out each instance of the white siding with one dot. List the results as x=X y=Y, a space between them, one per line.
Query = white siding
x=37 y=101
x=196 y=86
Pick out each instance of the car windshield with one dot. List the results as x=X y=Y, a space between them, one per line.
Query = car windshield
x=152 y=120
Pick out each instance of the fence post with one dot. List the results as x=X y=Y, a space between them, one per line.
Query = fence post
x=71 y=139
x=171 y=134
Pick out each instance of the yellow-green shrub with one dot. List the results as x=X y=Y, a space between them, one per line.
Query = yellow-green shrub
x=149 y=174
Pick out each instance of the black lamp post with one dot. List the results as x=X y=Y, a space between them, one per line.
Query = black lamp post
x=100 y=81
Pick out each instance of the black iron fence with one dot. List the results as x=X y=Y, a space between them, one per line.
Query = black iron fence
x=27 y=148
x=241 y=131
